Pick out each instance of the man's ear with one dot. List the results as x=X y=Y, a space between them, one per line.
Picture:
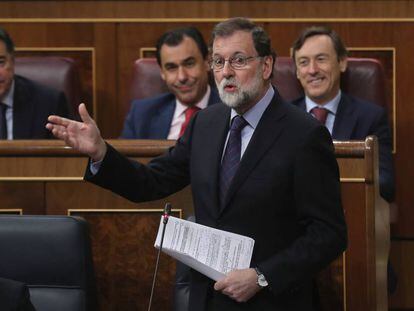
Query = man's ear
x=267 y=67
x=343 y=63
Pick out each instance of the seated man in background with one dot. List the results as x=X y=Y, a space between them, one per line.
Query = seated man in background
x=320 y=57
x=24 y=104
x=182 y=55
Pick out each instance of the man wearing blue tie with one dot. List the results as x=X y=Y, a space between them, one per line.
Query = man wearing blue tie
x=257 y=166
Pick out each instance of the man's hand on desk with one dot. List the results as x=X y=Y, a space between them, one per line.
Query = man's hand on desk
x=240 y=285
x=82 y=136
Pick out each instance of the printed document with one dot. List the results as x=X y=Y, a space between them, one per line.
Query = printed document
x=210 y=251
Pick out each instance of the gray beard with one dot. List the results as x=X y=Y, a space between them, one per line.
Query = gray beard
x=244 y=95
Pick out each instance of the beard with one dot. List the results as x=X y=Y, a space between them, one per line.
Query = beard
x=244 y=96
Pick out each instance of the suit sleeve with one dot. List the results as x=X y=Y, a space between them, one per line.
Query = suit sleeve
x=128 y=131
x=137 y=182
x=382 y=130
x=319 y=211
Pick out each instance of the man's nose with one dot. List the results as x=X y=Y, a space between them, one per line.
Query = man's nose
x=227 y=70
x=313 y=67
x=182 y=74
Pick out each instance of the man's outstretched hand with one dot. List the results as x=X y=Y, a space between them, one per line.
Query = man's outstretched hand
x=82 y=136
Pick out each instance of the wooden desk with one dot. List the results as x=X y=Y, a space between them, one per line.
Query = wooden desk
x=45 y=177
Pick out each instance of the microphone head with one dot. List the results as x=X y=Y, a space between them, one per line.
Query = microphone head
x=167 y=212
x=167 y=209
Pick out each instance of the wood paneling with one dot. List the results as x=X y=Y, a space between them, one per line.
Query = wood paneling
x=207 y=9
x=118 y=29
x=402 y=254
x=123 y=232
x=124 y=259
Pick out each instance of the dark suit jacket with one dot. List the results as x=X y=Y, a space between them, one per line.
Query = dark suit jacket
x=355 y=120
x=14 y=296
x=151 y=118
x=32 y=104
x=285 y=195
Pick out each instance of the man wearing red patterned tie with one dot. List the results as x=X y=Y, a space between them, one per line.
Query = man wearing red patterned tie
x=182 y=56
x=320 y=58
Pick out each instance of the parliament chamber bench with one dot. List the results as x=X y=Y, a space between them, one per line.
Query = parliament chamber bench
x=46 y=178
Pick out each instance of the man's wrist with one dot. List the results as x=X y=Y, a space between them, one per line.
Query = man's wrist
x=100 y=154
x=261 y=280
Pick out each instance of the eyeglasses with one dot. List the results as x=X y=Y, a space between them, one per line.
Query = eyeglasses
x=236 y=62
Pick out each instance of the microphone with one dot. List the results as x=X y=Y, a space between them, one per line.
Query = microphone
x=166 y=214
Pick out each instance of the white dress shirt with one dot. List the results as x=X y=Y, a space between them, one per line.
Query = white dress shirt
x=179 y=114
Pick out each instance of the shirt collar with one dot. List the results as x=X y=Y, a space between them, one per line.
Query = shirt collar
x=253 y=115
x=8 y=100
x=180 y=108
x=331 y=106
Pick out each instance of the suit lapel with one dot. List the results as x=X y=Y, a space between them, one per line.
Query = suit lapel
x=268 y=130
x=161 y=121
x=216 y=136
x=23 y=111
x=345 y=119
x=214 y=97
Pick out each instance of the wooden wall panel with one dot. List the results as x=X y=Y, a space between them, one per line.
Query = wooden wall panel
x=123 y=274
x=116 y=30
x=402 y=254
x=24 y=196
x=207 y=9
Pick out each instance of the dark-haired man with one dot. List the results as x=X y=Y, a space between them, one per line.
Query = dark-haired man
x=320 y=57
x=182 y=56
x=24 y=104
x=257 y=166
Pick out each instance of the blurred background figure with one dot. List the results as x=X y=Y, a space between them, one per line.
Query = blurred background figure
x=24 y=104
x=182 y=55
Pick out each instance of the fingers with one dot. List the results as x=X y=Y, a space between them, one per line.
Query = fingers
x=57 y=131
x=83 y=112
x=239 y=285
x=56 y=120
x=220 y=285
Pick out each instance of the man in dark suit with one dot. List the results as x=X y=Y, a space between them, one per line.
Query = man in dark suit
x=182 y=56
x=24 y=104
x=320 y=57
x=257 y=166
x=14 y=296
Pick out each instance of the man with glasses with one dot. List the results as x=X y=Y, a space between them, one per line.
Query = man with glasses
x=24 y=104
x=182 y=57
x=257 y=167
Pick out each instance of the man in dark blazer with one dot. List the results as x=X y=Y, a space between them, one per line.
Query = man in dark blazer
x=14 y=296
x=257 y=167
x=320 y=57
x=24 y=104
x=182 y=56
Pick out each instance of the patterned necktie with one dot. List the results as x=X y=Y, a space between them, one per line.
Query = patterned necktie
x=231 y=157
x=189 y=112
x=320 y=114
x=3 y=122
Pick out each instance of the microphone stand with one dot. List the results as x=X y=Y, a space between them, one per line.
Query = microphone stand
x=167 y=212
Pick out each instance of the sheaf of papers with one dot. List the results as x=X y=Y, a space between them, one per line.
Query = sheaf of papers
x=210 y=251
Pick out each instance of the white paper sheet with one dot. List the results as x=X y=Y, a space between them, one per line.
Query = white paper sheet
x=210 y=251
